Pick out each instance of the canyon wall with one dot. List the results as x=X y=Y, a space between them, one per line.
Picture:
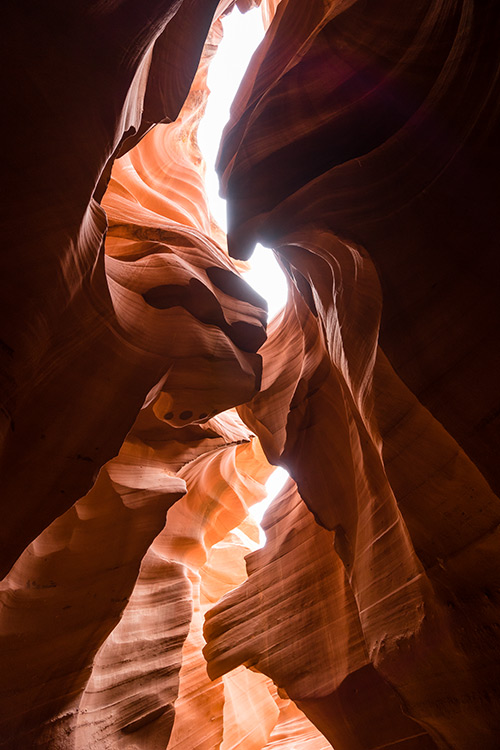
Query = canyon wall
x=144 y=403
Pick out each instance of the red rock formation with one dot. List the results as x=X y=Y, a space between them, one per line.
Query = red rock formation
x=365 y=184
x=70 y=588
x=83 y=76
x=362 y=148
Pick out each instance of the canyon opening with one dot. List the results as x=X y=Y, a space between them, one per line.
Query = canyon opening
x=148 y=397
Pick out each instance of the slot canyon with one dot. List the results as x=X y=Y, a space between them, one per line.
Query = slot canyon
x=147 y=399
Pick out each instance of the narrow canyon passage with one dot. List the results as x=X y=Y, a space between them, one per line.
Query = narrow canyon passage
x=242 y=33
x=147 y=397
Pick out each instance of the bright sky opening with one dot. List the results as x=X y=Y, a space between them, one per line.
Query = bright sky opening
x=242 y=35
x=273 y=486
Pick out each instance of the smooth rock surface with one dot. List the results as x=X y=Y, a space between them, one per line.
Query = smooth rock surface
x=144 y=404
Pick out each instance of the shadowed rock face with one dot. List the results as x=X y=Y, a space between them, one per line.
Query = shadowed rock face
x=362 y=147
x=75 y=369
x=371 y=186
x=394 y=151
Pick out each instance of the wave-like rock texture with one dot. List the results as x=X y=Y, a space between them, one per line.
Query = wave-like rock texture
x=396 y=152
x=241 y=709
x=362 y=147
x=163 y=322
x=359 y=149
x=78 y=79
x=325 y=668
x=108 y=590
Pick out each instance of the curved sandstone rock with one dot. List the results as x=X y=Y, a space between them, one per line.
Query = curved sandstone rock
x=107 y=589
x=70 y=356
x=362 y=147
x=359 y=194
x=68 y=591
x=105 y=362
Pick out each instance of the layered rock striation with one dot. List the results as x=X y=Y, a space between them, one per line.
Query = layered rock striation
x=137 y=608
x=360 y=200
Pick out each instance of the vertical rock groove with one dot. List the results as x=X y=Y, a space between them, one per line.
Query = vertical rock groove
x=145 y=400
